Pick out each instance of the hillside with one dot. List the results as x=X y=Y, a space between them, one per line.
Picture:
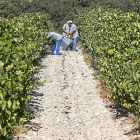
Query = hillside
x=60 y=11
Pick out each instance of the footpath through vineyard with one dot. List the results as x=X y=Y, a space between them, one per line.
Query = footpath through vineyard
x=68 y=106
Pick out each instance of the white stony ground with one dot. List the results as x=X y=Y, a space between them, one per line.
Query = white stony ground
x=68 y=105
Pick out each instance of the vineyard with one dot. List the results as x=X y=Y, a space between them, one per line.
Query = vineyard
x=21 y=41
x=113 y=40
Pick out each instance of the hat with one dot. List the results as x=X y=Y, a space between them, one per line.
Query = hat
x=69 y=21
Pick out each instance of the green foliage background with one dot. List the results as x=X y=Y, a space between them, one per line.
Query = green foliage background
x=60 y=11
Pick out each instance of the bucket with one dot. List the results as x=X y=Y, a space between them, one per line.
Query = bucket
x=48 y=47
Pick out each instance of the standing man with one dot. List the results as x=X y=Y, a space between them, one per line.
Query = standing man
x=70 y=29
x=56 y=38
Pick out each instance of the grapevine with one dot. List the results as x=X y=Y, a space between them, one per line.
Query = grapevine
x=113 y=39
x=21 y=42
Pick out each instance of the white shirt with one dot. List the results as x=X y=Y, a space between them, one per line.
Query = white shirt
x=70 y=29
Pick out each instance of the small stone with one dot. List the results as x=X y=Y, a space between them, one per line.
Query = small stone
x=97 y=113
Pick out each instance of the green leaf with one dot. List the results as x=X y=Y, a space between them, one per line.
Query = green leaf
x=14 y=105
x=4 y=106
x=9 y=113
x=1 y=95
x=9 y=103
x=4 y=132
x=126 y=105
x=15 y=39
x=109 y=96
x=132 y=97
x=18 y=103
x=12 y=96
x=3 y=81
x=1 y=64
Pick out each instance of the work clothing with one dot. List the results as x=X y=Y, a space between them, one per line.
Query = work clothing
x=70 y=29
x=54 y=36
x=74 y=44
x=75 y=31
x=56 y=39
x=56 y=44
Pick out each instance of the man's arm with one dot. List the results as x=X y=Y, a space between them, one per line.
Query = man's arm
x=72 y=33
x=66 y=32
x=64 y=27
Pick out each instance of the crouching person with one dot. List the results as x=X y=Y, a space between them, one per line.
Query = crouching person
x=56 y=38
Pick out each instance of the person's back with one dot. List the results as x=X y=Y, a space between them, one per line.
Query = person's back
x=54 y=36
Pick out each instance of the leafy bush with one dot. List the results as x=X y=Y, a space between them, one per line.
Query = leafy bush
x=113 y=39
x=21 y=41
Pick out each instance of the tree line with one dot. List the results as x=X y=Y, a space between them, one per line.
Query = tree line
x=60 y=11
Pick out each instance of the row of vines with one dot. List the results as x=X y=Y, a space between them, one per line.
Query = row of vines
x=21 y=41
x=113 y=39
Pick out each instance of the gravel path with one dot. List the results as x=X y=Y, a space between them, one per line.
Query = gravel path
x=68 y=105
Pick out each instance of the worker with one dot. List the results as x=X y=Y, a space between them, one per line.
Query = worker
x=70 y=29
x=56 y=39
